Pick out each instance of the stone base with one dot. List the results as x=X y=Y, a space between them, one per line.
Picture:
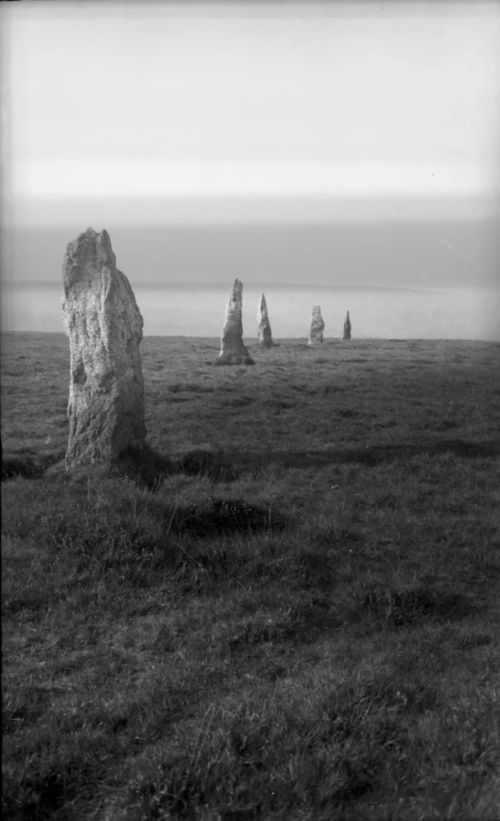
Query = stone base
x=234 y=359
x=144 y=466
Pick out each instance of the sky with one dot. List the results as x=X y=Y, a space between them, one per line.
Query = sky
x=189 y=128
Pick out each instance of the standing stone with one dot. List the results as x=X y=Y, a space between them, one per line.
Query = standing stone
x=104 y=325
x=347 y=327
x=317 y=327
x=232 y=349
x=263 y=326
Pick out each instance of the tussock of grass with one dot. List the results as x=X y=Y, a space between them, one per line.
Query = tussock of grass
x=291 y=613
x=223 y=515
x=413 y=606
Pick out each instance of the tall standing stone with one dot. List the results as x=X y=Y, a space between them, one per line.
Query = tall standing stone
x=317 y=327
x=264 y=333
x=347 y=327
x=104 y=325
x=232 y=349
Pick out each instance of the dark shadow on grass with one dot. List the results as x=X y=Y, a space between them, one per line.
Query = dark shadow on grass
x=26 y=466
x=226 y=465
x=414 y=606
x=149 y=467
x=223 y=515
x=13 y=466
x=215 y=465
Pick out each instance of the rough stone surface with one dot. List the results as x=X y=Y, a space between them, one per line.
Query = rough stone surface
x=232 y=349
x=104 y=325
x=264 y=332
x=347 y=327
x=317 y=327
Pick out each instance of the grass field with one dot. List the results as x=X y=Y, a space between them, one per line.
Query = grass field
x=300 y=620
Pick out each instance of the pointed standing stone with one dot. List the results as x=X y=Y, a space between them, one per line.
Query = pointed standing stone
x=317 y=327
x=232 y=349
x=347 y=327
x=263 y=325
x=104 y=325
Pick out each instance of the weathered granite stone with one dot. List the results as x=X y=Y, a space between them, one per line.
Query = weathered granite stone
x=264 y=332
x=347 y=327
x=317 y=327
x=232 y=349
x=104 y=325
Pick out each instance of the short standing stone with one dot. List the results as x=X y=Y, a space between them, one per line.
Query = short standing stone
x=263 y=325
x=232 y=349
x=347 y=327
x=104 y=325
x=317 y=327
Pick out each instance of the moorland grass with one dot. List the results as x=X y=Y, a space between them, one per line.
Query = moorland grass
x=298 y=620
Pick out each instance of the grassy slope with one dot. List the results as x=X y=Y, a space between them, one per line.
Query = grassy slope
x=301 y=622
